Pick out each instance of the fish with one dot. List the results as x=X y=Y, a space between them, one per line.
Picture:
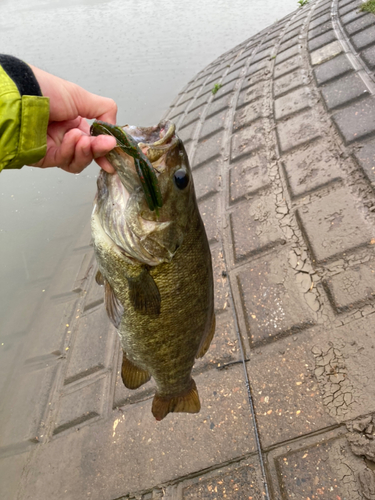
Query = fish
x=154 y=262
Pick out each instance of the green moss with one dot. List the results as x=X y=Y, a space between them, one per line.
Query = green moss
x=368 y=6
x=216 y=88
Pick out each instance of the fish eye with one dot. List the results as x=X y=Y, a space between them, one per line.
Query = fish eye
x=181 y=178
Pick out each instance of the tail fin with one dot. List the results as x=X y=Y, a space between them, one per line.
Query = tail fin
x=187 y=402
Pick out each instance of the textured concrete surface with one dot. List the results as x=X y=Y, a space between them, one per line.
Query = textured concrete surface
x=284 y=160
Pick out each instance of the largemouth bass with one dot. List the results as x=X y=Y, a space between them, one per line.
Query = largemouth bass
x=154 y=262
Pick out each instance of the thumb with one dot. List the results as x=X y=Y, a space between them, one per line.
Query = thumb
x=90 y=105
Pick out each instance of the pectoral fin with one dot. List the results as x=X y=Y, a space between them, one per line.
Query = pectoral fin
x=99 y=278
x=207 y=341
x=113 y=306
x=144 y=294
x=187 y=402
x=132 y=376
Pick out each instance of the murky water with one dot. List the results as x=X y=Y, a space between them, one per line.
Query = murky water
x=140 y=54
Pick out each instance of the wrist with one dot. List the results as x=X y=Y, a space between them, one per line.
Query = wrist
x=22 y=75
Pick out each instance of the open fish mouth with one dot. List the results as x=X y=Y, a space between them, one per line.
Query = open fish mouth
x=146 y=146
x=157 y=140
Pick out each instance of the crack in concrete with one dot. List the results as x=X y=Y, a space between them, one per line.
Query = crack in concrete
x=335 y=387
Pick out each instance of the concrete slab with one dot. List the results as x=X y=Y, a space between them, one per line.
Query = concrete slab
x=368 y=55
x=209 y=210
x=321 y=467
x=208 y=149
x=311 y=167
x=365 y=156
x=335 y=227
x=273 y=305
x=247 y=176
x=237 y=483
x=253 y=227
x=248 y=114
x=289 y=82
x=287 y=397
x=332 y=69
x=344 y=90
x=326 y=53
x=293 y=102
x=248 y=140
x=297 y=130
x=11 y=469
x=357 y=121
x=343 y=361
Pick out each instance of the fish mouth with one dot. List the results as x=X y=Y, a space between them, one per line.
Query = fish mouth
x=127 y=144
x=158 y=141
x=147 y=145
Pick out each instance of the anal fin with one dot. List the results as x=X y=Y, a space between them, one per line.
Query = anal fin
x=132 y=376
x=187 y=402
x=207 y=341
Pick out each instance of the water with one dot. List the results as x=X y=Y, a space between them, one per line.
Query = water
x=139 y=53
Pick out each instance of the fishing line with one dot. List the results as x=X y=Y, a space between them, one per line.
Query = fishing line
x=247 y=382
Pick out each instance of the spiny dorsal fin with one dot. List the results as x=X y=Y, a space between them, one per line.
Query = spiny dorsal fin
x=132 y=376
x=144 y=294
x=113 y=306
x=207 y=341
x=187 y=402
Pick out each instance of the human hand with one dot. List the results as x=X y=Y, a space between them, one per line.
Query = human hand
x=69 y=143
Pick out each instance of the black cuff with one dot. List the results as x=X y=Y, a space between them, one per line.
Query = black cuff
x=21 y=74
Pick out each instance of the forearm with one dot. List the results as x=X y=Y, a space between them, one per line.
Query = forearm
x=24 y=115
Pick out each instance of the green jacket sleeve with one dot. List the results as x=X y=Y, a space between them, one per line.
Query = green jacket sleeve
x=24 y=114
